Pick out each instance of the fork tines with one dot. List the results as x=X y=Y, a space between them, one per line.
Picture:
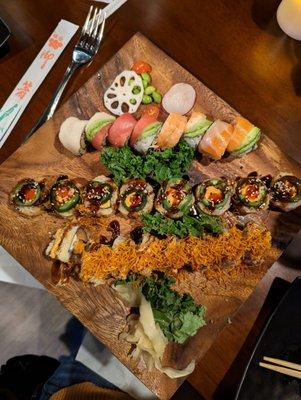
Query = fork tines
x=94 y=26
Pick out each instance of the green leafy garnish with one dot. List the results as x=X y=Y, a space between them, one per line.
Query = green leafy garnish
x=177 y=315
x=128 y=280
x=163 y=165
x=187 y=225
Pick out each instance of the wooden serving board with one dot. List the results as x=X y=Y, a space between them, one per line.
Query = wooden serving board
x=97 y=307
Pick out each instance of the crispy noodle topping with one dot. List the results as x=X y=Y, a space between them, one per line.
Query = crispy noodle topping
x=212 y=254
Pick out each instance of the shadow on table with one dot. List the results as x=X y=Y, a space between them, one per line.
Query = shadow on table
x=228 y=386
x=264 y=15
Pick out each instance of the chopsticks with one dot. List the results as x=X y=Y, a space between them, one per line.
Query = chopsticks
x=280 y=366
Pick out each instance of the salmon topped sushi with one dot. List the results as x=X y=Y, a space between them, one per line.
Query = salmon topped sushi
x=245 y=137
x=171 y=132
x=216 y=139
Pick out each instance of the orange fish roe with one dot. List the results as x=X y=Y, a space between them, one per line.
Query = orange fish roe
x=213 y=254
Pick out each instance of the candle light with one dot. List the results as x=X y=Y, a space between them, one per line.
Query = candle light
x=289 y=18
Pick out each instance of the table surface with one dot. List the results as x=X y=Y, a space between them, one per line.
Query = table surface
x=237 y=49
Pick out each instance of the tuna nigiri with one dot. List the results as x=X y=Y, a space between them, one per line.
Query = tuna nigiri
x=216 y=139
x=245 y=137
x=121 y=130
x=171 y=131
x=144 y=133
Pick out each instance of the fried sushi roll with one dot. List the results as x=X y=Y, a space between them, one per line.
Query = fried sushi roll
x=286 y=192
x=174 y=198
x=28 y=197
x=136 y=197
x=213 y=196
x=251 y=195
x=99 y=197
x=64 y=196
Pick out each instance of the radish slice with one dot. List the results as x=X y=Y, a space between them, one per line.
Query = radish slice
x=125 y=94
x=179 y=99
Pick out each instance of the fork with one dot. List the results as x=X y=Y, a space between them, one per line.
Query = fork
x=83 y=52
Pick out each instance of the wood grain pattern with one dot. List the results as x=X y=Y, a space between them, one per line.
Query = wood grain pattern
x=97 y=307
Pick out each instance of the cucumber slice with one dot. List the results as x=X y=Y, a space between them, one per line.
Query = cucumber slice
x=287 y=189
x=26 y=193
x=134 y=199
x=63 y=204
x=214 y=196
x=252 y=192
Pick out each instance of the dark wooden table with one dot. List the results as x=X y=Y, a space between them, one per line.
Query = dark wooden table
x=237 y=49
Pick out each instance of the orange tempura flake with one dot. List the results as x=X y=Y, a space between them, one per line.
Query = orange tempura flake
x=171 y=255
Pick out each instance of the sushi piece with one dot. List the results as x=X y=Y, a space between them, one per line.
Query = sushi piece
x=66 y=249
x=72 y=135
x=216 y=139
x=179 y=99
x=28 y=197
x=171 y=132
x=196 y=127
x=121 y=130
x=174 y=198
x=245 y=137
x=99 y=140
x=136 y=197
x=213 y=196
x=96 y=123
x=286 y=192
x=99 y=197
x=251 y=195
x=64 y=196
x=144 y=133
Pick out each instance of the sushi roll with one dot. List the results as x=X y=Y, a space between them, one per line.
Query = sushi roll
x=195 y=128
x=216 y=139
x=99 y=196
x=64 y=196
x=136 y=197
x=28 y=197
x=96 y=128
x=214 y=196
x=245 y=137
x=174 y=198
x=251 y=195
x=144 y=133
x=72 y=135
x=121 y=130
x=171 y=132
x=286 y=192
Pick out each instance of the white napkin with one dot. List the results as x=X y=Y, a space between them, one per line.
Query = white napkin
x=33 y=77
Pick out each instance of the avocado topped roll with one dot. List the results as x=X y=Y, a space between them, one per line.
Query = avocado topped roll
x=245 y=137
x=286 y=192
x=195 y=128
x=136 y=197
x=28 y=196
x=99 y=196
x=213 y=196
x=174 y=198
x=251 y=195
x=64 y=196
x=96 y=125
x=145 y=133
